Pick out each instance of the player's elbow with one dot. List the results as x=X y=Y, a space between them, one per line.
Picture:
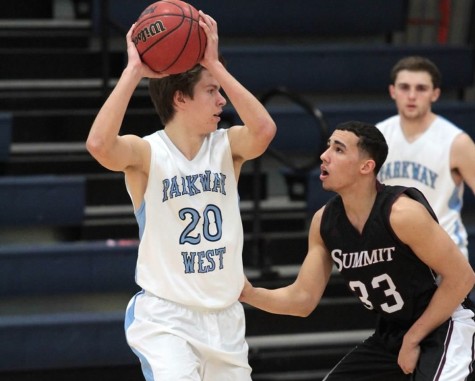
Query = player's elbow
x=96 y=146
x=461 y=284
x=304 y=311
x=102 y=152
x=94 y=143
x=268 y=130
x=263 y=135
x=471 y=280
x=467 y=278
x=305 y=305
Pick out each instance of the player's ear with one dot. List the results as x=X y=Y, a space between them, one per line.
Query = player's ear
x=368 y=166
x=392 y=91
x=435 y=94
x=178 y=98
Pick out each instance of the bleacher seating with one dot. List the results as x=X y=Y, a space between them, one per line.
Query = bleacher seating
x=338 y=68
x=62 y=302
x=41 y=208
x=42 y=200
x=5 y=135
x=266 y=19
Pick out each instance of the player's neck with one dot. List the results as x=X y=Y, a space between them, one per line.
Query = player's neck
x=188 y=144
x=359 y=204
x=413 y=128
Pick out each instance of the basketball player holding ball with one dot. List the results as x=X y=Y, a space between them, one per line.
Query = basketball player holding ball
x=187 y=322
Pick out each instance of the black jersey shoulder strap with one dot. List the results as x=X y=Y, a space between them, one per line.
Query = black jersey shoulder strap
x=415 y=194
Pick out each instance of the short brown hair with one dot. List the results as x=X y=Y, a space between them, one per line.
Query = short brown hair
x=162 y=91
x=417 y=63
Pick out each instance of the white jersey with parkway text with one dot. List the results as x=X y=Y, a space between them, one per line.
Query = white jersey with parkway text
x=191 y=234
x=425 y=165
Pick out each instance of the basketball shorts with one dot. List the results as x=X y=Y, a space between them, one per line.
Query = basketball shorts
x=175 y=342
x=447 y=354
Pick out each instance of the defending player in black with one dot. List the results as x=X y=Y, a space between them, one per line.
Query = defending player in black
x=395 y=257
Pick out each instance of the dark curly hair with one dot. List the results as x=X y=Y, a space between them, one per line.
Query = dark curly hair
x=371 y=140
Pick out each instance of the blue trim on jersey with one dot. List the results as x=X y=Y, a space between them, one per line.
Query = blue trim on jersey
x=455 y=202
x=140 y=217
x=129 y=319
x=130 y=313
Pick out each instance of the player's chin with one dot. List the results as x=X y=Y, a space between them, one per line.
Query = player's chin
x=326 y=185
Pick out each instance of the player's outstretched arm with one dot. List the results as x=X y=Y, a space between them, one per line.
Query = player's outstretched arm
x=301 y=297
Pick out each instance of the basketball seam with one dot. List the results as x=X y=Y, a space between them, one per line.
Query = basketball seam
x=186 y=41
x=163 y=37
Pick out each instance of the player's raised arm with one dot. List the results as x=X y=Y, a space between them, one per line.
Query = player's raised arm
x=252 y=139
x=111 y=150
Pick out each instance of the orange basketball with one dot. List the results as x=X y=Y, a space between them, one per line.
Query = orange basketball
x=168 y=36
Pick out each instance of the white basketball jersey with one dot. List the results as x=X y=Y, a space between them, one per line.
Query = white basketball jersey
x=425 y=164
x=191 y=234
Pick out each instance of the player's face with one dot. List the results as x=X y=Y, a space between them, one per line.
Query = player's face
x=207 y=103
x=341 y=162
x=414 y=94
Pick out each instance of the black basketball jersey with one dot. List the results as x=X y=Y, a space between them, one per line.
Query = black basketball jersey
x=382 y=271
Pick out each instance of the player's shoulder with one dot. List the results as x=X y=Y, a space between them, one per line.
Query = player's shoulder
x=388 y=123
x=408 y=211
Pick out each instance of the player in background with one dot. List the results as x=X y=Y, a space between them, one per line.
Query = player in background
x=187 y=322
x=426 y=151
x=387 y=245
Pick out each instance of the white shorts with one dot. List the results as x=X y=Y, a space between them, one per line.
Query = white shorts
x=175 y=342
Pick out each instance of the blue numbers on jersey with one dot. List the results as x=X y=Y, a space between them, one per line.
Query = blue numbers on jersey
x=212 y=224
x=212 y=229
x=185 y=236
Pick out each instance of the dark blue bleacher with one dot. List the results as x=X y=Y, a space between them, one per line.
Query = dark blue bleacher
x=67 y=267
x=346 y=69
x=5 y=135
x=44 y=200
x=33 y=273
x=266 y=18
x=51 y=312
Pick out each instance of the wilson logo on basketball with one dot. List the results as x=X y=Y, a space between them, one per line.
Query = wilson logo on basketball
x=185 y=41
x=149 y=31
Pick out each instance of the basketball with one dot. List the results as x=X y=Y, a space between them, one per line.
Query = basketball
x=168 y=37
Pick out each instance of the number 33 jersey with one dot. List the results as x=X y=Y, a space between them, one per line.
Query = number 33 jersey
x=383 y=272
x=191 y=234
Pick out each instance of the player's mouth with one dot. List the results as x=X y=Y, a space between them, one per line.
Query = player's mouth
x=323 y=173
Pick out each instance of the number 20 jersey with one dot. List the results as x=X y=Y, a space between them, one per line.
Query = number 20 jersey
x=382 y=271
x=191 y=234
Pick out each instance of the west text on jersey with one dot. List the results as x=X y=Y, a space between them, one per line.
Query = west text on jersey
x=361 y=259
x=408 y=170
x=194 y=184
x=203 y=261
